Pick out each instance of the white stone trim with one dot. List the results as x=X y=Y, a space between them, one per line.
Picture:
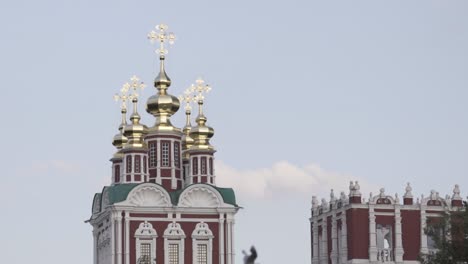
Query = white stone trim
x=221 y=239
x=127 y=237
x=174 y=235
x=202 y=235
x=315 y=242
x=147 y=195
x=119 y=237
x=372 y=235
x=344 y=238
x=144 y=234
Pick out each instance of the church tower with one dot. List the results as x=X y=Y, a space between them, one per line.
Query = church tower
x=163 y=205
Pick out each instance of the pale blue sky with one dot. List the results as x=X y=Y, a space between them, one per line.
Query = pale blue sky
x=375 y=90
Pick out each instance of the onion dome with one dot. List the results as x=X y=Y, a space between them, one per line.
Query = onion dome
x=201 y=133
x=119 y=139
x=135 y=131
x=162 y=105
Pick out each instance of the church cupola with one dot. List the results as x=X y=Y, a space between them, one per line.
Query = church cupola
x=201 y=152
x=135 y=151
x=162 y=105
x=187 y=141
x=119 y=139
x=164 y=140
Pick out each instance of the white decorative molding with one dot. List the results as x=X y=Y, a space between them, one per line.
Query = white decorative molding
x=202 y=235
x=174 y=235
x=148 y=195
x=146 y=234
x=201 y=196
x=382 y=198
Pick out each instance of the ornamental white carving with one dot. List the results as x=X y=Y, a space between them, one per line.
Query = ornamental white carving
x=174 y=231
x=202 y=231
x=149 y=195
x=145 y=230
x=200 y=196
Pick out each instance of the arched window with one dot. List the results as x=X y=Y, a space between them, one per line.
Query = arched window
x=145 y=237
x=174 y=238
x=202 y=244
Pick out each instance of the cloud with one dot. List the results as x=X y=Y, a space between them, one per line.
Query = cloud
x=284 y=177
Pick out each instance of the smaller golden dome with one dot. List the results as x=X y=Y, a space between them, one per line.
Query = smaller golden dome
x=135 y=131
x=162 y=105
x=201 y=133
x=187 y=141
x=119 y=139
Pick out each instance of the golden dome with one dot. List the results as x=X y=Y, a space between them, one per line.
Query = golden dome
x=202 y=133
x=119 y=139
x=187 y=141
x=162 y=105
x=135 y=131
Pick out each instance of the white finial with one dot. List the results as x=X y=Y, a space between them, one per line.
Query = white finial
x=357 y=188
x=343 y=197
x=314 y=202
x=397 y=199
x=408 y=191
x=324 y=204
x=456 y=193
x=332 y=196
x=382 y=192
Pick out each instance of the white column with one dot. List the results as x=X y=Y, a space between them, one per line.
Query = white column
x=95 y=244
x=424 y=249
x=315 y=253
x=158 y=161
x=221 y=239
x=344 y=239
x=372 y=235
x=399 y=251
x=119 y=237
x=112 y=220
x=324 y=256
x=127 y=238
x=199 y=169
x=228 y=240
x=334 y=237
x=233 y=249
x=173 y=178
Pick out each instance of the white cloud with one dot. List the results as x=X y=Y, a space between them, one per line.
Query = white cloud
x=286 y=178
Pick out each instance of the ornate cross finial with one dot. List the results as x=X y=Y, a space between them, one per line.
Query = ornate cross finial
x=135 y=85
x=122 y=96
x=200 y=88
x=162 y=36
x=188 y=97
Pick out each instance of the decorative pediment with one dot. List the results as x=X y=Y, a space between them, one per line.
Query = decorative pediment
x=202 y=230
x=382 y=198
x=148 y=194
x=174 y=231
x=200 y=196
x=146 y=230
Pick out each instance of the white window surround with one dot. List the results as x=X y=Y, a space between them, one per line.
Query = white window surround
x=146 y=234
x=174 y=235
x=202 y=235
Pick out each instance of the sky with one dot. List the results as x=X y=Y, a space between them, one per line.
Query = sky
x=307 y=95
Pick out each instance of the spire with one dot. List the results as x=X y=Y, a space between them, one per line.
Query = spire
x=135 y=131
x=162 y=105
x=201 y=133
x=187 y=98
x=119 y=139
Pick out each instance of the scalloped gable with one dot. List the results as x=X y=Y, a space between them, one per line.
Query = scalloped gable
x=119 y=193
x=148 y=194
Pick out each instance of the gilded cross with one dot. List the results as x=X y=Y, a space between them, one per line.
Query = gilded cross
x=199 y=89
x=161 y=35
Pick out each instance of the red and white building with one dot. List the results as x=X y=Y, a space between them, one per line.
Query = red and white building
x=380 y=229
x=163 y=205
